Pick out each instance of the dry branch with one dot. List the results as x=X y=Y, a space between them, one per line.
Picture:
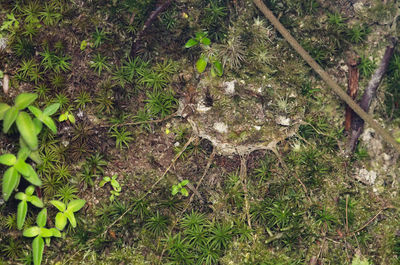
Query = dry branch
x=357 y=124
x=160 y=8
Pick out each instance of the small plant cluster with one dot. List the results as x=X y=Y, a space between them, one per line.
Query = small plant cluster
x=199 y=241
x=29 y=128
x=201 y=40
x=116 y=187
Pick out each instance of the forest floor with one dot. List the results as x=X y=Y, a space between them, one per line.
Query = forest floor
x=230 y=150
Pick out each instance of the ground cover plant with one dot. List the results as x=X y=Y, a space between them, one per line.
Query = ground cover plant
x=190 y=132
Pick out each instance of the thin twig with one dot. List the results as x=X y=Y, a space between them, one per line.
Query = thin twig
x=367 y=223
x=347 y=220
x=160 y=8
x=357 y=124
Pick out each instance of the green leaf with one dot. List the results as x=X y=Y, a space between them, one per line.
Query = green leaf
x=29 y=190
x=22 y=209
x=36 y=112
x=201 y=64
x=21 y=196
x=32 y=177
x=61 y=221
x=8 y=159
x=75 y=205
x=102 y=183
x=35 y=156
x=175 y=189
x=9 y=117
x=38 y=125
x=184 y=192
x=200 y=35
x=50 y=110
x=83 y=45
x=205 y=41
x=31 y=231
x=184 y=182
x=71 y=118
x=10 y=180
x=63 y=117
x=191 y=43
x=50 y=123
x=358 y=260
x=45 y=232
x=23 y=100
x=41 y=219
x=22 y=167
x=56 y=233
x=3 y=109
x=35 y=200
x=218 y=68
x=71 y=218
x=59 y=205
x=37 y=249
x=23 y=153
x=26 y=129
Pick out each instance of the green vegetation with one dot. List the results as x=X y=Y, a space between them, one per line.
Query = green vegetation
x=96 y=138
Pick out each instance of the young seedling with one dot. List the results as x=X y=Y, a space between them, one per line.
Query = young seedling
x=67 y=116
x=180 y=188
x=114 y=184
x=201 y=64
x=67 y=212
x=23 y=205
x=18 y=166
x=39 y=232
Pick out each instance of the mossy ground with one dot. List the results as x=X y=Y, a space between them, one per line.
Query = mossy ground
x=337 y=216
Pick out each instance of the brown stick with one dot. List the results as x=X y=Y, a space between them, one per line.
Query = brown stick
x=160 y=8
x=357 y=124
x=352 y=88
x=325 y=76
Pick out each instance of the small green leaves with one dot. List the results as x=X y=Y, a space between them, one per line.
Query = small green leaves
x=61 y=221
x=31 y=231
x=23 y=100
x=37 y=249
x=41 y=219
x=10 y=181
x=180 y=188
x=50 y=110
x=67 y=212
x=21 y=213
x=217 y=69
x=190 y=43
x=59 y=205
x=201 y=64
x=25 y=126
x=8 y=159
x=23 y=205
x=205 y=41
x=114 y=184
x=9 y=117
x=45 y=118
x=83 y=45
x=75 y=205
x=3 y=109
x=67 y=116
